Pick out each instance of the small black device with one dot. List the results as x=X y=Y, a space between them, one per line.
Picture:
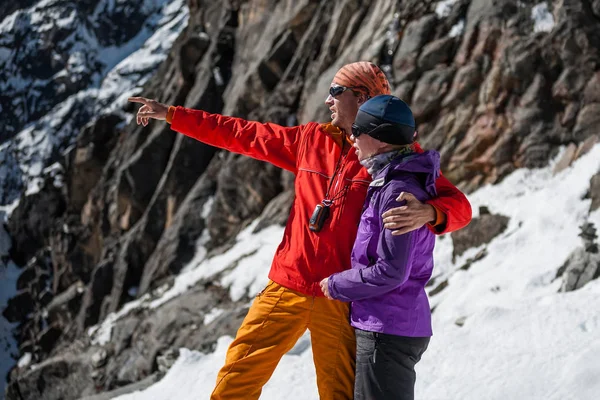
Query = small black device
x=319 y=216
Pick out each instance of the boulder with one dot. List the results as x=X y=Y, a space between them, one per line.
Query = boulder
x=480 y=231
x=583 y=265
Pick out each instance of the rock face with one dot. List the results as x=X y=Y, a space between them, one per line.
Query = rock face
x=491 y=88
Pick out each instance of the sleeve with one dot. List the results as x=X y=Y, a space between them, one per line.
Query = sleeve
x=453 y=203
x=390 y=270
x=264 y=141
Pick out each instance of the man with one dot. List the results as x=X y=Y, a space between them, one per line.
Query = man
x=330 y=187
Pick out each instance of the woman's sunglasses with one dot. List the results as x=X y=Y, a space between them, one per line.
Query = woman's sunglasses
x=337 y=90
x=356 y=131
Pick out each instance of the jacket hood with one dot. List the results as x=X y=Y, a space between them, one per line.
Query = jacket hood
x=427 y=163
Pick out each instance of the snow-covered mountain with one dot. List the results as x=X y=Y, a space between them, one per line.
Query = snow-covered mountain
x=65 y=63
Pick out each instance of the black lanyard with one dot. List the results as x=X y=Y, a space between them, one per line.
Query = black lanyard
x=327 y=201
x=322 y=210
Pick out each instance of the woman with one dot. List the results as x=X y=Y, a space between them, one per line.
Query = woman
x=386 y=285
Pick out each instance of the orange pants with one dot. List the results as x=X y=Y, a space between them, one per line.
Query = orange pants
x=275 y=321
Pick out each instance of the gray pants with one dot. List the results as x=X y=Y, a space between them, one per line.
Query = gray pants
x=385 y=365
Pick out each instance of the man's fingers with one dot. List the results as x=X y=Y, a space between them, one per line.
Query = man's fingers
x=397 y=225
x=402 y=231
x=406 y=196
x=394 y=211
x=393 y=225
x=396 y=218
x=146 y=114
x=141 y=100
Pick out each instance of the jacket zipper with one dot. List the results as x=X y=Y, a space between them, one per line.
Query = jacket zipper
x=337 y=178
x=341 y=170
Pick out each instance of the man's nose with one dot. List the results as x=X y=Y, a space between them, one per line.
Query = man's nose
x=329 y=100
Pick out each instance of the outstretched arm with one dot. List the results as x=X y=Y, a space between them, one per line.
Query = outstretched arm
x=264 y=141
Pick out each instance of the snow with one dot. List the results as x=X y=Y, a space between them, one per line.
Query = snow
x=444 y=7
x=534 y=348
x=542 y=18
x=24 y=361
x=213 y=315
x=9 y=22
x=207 y=207
x=520 y=338
x=101 y=334
x=7 y=209
x=457 y=29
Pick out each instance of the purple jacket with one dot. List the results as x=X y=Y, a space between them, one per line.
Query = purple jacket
x=386 y=284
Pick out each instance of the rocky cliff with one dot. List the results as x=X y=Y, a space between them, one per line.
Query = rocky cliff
x=494 y=85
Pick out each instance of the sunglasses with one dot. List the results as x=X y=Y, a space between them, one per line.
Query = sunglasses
x=356 y=131
x=337 y=90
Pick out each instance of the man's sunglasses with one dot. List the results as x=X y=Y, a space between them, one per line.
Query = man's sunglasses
x=337 y=90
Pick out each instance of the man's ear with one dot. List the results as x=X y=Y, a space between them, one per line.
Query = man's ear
x=362 y=98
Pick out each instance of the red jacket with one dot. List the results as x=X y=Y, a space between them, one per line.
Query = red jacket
x=312 y=153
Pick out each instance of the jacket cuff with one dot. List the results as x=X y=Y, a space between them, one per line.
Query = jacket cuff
x=439 y=224
x=170 y=114
x=440 y=216
x=331 y=286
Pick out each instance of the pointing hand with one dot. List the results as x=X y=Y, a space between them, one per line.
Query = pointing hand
x=150 y=109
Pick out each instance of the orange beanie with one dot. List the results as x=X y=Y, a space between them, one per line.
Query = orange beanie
x=363 y=76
